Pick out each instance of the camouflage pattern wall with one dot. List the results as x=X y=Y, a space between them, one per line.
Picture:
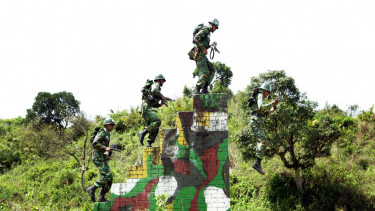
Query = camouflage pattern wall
x=191 y=164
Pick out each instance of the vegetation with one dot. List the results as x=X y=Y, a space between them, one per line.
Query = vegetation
x=54 y=109
x=334 y=151
x=297 y=135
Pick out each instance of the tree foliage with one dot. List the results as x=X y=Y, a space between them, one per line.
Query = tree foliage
x=296 y=135
x=223 y=74
x=188 y=92
x=223 y=78
x=54 y=109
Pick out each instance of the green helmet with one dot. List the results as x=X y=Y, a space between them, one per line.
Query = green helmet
x=215 y=22
x=160 y=76
x=109 y=121
x=265 y=86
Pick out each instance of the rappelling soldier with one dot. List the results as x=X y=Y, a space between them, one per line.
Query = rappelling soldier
x=259 y=110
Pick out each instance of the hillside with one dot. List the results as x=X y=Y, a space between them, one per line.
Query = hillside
x=38 y=175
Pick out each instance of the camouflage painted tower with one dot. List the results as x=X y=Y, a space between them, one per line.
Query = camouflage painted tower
x=191 y=166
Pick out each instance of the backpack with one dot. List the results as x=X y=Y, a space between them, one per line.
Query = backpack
x=93 y=134
x=193 y=52
x=196 y=30
x=146 y=89
x=146 y=92
x=253 y=98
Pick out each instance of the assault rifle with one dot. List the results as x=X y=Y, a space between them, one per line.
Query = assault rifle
x=279 y=99
x=213 y=49
x=114 y=147
x=166 y=99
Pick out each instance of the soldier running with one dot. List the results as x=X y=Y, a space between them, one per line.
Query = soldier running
x=151 y=96
x=100 y=158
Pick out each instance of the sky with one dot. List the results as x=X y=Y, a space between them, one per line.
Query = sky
x=104 y=51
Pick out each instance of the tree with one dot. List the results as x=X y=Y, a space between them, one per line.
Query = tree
x=79 y=128
x=223 y=74
x=188 y=92
x=352 y=110
x=55 y=125
x=54 y=109
x=296 y=134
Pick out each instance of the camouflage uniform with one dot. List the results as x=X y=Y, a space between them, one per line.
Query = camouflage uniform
x=206 y=69
x=259 y=110
x=100 y=159
x=149 y=114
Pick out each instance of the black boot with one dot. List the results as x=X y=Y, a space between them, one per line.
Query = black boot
x=149 y=143
x=101 y=197
x=142 y=135
x=197 y=90
x=91 y=191
x=257 y=166
x=205 y=89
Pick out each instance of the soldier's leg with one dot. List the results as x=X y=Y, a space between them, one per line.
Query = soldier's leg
x=260 y=136
x=105 y=174
x=202 y=66
x=109 y=182
x=258 y=129
x=143 y=133
x=106 y=189
x=153 y=127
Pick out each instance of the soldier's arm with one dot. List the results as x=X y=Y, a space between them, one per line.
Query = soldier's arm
x=97 y=141
x=198 y=39
x=155 y=90
x=263 y=107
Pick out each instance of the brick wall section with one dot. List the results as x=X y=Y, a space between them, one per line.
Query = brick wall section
x=191 y=166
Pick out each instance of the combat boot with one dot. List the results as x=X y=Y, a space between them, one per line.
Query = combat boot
x=142 y=135
x=205 y=89
x=197 y=90
x=149 y=143
x=257 y=166
x=91 y=190
x=102 y=198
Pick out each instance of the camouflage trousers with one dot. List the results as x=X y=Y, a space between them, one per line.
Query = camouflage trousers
x=153 y=123
x=206 y=70
x=257 y=127
x=106 y=178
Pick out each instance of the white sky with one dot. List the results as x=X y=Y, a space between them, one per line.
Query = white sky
x=103 y=51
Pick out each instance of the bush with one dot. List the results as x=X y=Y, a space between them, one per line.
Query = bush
x=282 y=192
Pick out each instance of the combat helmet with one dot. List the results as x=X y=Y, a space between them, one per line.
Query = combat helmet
x=215 y=22
x=160 y=76
x=265 y=86
x=109 y=121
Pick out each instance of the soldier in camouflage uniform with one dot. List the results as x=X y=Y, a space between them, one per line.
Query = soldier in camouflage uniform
x=259 y=110
x=150 y=99
x=100 y=158
x=206 y=69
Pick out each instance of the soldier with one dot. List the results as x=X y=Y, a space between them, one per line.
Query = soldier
x=201 y=42
x=259 y=109
x=150 y=99
x=100 y=157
